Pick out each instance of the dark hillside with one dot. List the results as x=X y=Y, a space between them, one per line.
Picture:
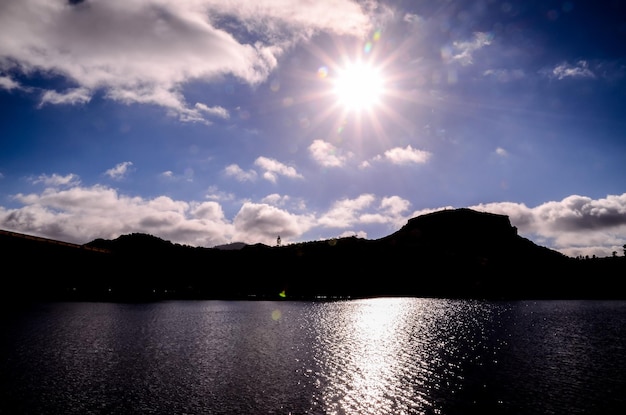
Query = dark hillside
x=452 y=253
x=39 y=268
x=474 y=254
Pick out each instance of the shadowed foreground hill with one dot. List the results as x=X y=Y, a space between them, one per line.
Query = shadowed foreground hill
x=452 y=253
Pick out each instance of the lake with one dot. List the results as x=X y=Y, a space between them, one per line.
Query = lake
x=370 y=356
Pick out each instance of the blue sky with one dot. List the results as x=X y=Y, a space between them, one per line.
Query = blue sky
x=206 y=122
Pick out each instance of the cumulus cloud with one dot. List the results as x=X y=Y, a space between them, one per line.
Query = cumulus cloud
x=56 y=180
x=355 y=234
x=119 y=171
x=394 y=205
x=146 y=51
x=213 y=193
x=366 y=209
x=233 y=170
x=275 y=199
x=576 y=225
x=407 y=155
x=80 y=214
x=285 y=201
x=66 y=210
x=391 y=211
x=264 y=223
x=326 y=154
x=8 y=83
x=273 y=168
x=346 y=212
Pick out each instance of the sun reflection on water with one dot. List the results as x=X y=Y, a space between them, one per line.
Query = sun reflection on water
x=397 y=355
x=364 y=360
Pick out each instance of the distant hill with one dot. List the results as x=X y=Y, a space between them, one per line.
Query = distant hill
x=458 y=253
x=231 y=246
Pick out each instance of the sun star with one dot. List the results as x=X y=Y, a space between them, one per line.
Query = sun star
x=358 y=87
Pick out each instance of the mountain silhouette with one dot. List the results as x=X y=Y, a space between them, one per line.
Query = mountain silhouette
x=455 y=253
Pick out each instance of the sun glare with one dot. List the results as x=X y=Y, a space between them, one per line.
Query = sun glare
x=358 y=87
x=359 y=90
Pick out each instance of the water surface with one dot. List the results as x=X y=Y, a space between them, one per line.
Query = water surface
x=374 y=356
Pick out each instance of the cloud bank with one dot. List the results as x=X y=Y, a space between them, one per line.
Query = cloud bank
x=576 y=225
x=66 y=210
x=145 y=51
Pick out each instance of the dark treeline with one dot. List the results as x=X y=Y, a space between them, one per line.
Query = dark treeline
x=455 y=253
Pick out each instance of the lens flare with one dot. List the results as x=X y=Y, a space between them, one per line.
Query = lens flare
x=276 y=315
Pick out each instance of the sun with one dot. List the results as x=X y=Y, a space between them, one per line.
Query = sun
x=358 y=86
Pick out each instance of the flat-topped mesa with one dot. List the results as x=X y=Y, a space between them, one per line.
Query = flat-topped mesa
x=464 y=221
x=456 y=225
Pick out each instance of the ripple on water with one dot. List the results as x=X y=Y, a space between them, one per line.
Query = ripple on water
x=387 y=355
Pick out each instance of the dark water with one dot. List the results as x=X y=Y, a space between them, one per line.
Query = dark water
x=377 y=356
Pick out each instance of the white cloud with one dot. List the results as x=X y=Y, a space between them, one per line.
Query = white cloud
x=238 y=173
x=170 y=176
x=501 y=152
x=216 y=111
x=56 y=180
x=346 y=212
x=285 y=202
x=119 y=171
x=576 y=225
x=65 y=210
x=8 y=83
x=259 y=222
x=275 y=199
x=198 y=112
x=215 y=194
x=81 y=214
x=462 y=51
x=144 y=51
x=283 y=17
x=579 y=70
x=356 y=234
x=505 y=75
x=392 y=211
x=399 y=155
x=211 y=211
x=412 y=19
x=395 y=205
x=274 y=168
x=71 y=97
x=326 y=154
